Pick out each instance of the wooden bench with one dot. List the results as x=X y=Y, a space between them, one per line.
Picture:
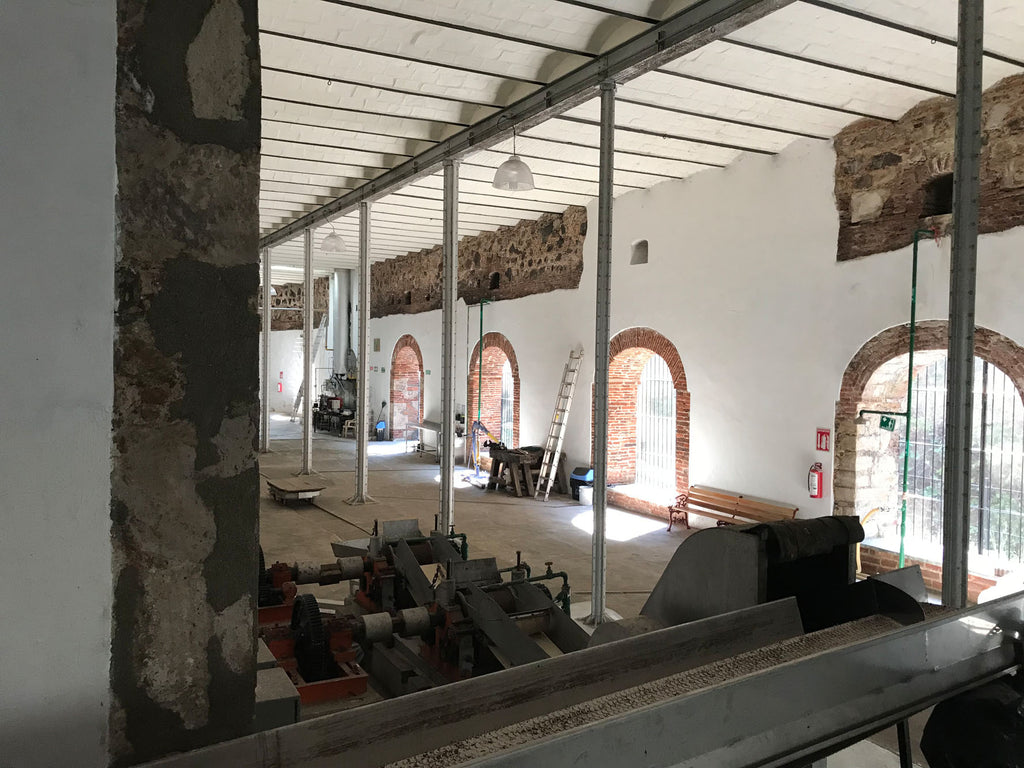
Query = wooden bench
x=727 y=507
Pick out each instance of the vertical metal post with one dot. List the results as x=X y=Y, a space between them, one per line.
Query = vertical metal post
x=963 y=279
x=601 y=351
x=361 y=495
x=984 y=477
x=265 y=358
x=906 y=746
x=449 y=293
x=307 y=352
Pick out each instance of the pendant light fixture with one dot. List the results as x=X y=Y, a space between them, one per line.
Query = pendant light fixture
x=332 y=243
x=513 y=175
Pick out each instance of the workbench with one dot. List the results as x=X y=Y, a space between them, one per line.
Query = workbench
x=422 y=428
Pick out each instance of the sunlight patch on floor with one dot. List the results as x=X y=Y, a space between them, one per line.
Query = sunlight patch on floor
x=619 y=525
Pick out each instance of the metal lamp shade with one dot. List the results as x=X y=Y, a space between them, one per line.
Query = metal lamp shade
x=513 y=175
x=332 y=243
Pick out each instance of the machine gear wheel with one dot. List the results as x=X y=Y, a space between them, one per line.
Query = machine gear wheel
x=312 y=646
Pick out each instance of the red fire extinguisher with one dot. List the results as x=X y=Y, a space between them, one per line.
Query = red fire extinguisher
x=815 y=480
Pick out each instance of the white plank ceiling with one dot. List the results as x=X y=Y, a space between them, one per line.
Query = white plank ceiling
x=354 y=88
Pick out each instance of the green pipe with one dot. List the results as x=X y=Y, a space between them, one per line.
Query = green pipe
x=564 y=597
x=910 y=389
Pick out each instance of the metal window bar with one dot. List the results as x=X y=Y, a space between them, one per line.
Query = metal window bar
x=997 y=492
x=655 y=426
x=507 y=403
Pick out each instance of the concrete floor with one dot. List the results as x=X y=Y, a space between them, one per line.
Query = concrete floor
x=406 y=486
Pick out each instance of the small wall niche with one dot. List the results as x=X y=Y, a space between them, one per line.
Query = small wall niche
x=938 y=196
x=638 y=254
x=407 y=299
x=495 y=281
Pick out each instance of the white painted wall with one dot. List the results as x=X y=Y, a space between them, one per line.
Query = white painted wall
x=286 y=369
x=743 y=279
x=56 y=263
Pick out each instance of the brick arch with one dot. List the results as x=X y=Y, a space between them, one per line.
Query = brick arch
x=854 y=495
x=629 y=352
x=497 y=349
x=406 y=387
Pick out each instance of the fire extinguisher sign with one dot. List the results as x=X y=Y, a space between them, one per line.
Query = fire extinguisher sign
x=824 y=439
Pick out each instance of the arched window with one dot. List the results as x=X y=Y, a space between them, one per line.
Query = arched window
x=508 y=392
x=997 y=471
x=656 y=426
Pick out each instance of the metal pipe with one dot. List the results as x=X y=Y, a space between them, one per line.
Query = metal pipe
x=362 y=495
x=564 y=597
x=956 y=495
x=307 y=352
x=265 y=358
x=905 y=414
x=449 y=294
x=983 y=521
x=477 y=426
x=602 y=351
x=340 y=320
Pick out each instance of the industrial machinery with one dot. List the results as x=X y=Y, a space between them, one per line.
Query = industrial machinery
x=423 y=614
x=756 y=648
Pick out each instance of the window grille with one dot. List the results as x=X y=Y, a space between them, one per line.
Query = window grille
x=656 y=426
x=508 y=395
x=997 y=471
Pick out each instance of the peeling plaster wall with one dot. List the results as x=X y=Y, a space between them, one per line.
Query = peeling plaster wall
x=529 y=258
x=290 y=295
x=743 y=280
x=882 y=169
x=184 y=496
x=57 y=246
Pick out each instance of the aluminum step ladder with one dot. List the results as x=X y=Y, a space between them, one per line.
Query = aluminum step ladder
x=321 y=332
x=556 y=434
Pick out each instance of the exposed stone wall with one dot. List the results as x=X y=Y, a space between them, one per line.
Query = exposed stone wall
x=630 y=351
x=184 y=479
x=882 y=169
x=406 y=388
x=290 y=295
x=530 y=257
x=497 y=349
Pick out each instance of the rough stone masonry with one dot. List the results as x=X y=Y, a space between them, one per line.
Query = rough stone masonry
x=883 y=170
x=509 y=263
x=184 y=480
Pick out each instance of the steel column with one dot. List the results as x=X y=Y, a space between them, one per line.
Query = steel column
x=265 y=358
x=307 y=352
x=362 y=495
x=601 y=350
x=449 y=293
x=956 y=495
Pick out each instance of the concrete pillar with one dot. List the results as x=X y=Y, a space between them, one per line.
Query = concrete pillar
x=184 y=482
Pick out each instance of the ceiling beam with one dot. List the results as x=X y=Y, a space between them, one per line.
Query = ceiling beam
x=858 y=72
x=685 y=32
x=398 y=57
x=933 y=37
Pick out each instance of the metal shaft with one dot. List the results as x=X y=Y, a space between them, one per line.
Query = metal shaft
x=361 y=495
x=962 y=284
x=449 y=293
x=265 y=358
x=601 y=350
x=307 y=352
